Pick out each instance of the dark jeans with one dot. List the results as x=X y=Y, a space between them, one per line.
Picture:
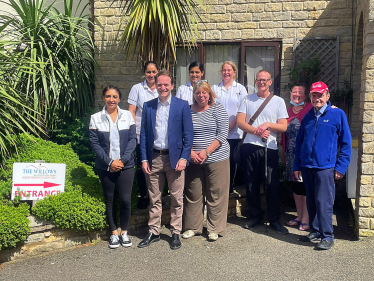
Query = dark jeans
x=254 y=174
x=320 y=196
x=140 y=177
x=123 y=180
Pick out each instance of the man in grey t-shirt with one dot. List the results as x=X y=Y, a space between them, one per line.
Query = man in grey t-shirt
x=271 y=121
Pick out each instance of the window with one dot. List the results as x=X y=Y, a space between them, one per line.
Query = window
x=249 y=57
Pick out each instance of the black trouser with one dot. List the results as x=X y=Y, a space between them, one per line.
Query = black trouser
x=124 y=180
x=140 y=177
x=233 y=143
x=253 y=157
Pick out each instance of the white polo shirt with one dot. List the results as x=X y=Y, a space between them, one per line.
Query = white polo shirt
x=231 y=100
x=139 y=94
x=185 y=92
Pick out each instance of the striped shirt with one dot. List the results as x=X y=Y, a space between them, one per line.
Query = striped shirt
x=209 y=125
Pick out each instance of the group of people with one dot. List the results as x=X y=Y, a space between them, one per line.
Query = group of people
x=189 y=139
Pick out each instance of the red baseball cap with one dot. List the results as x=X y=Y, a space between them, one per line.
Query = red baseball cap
x=319 y=87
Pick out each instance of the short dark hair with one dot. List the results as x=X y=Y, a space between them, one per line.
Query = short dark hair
x=299 y=85
x=107 y=88
x=165 y=73
x=196 y=64
x=148 y=63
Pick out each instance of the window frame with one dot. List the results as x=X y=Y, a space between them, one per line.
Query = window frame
x=277 y=43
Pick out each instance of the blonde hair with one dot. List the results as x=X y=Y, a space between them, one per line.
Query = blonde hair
x=232 y=64
x=206 y=87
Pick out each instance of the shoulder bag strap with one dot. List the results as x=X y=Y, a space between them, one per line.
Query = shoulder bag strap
x=257 y=113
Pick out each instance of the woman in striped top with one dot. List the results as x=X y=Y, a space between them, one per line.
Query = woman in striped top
x=208 y=172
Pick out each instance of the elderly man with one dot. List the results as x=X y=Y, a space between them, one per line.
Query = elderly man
x=323 y=130
x=271 y=121
x=166 y=139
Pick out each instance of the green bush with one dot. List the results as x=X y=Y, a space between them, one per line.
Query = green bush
x=78 y=175
x=72 y=209
x=14 y=225
x=81 y=206
x=75 y=131
x=306 y=71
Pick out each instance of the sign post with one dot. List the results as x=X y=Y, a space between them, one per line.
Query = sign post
x=33 y=181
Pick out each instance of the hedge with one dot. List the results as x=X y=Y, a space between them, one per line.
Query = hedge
x=14 y=225
x=80 y=207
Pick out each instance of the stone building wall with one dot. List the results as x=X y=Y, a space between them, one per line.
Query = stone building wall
x=283 y=20
x=232 y=20
x=364 y=50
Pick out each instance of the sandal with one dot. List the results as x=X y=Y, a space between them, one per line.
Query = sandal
x=304 y=227
x=294 y=223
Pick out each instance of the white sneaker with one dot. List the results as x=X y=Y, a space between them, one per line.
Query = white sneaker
x=125 y=240
x=188 y=234
x=213 y=236
x=114 y=241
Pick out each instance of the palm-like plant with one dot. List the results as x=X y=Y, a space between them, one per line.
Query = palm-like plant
x=154 y=28
x=56 y=48
x=15 y=115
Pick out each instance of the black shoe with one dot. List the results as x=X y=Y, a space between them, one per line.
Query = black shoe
x=143 y=203
x=149 y=240
x=276 y=226
x=252 y=223
x=311 y=237
x=175 y=242
x=325 y=245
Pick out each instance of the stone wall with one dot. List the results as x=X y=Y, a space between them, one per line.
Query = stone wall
x=364 y=35
x=231 y=20
x=284 y=20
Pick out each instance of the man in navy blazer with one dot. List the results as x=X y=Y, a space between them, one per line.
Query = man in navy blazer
x=166 y=139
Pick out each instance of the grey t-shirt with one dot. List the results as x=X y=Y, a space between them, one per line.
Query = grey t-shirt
x=273 y=111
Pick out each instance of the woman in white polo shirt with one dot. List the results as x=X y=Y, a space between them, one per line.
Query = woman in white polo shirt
x=196 y=71
x=230 y=94
x=139 y=94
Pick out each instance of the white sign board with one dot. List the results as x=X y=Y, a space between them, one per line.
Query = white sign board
x=33 y=181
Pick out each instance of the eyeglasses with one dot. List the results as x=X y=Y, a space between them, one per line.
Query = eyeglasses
x=262 y=80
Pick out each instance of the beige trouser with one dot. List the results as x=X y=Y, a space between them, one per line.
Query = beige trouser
x=213 y=182
x=161 y=169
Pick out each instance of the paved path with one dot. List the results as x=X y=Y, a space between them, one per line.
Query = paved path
x=240 y=255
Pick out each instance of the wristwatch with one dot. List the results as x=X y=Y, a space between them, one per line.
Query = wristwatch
x=207 y=153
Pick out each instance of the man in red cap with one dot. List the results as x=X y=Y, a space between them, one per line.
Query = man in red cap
x=323 y=130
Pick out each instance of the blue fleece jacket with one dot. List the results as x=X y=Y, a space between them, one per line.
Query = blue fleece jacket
x=318 y=141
